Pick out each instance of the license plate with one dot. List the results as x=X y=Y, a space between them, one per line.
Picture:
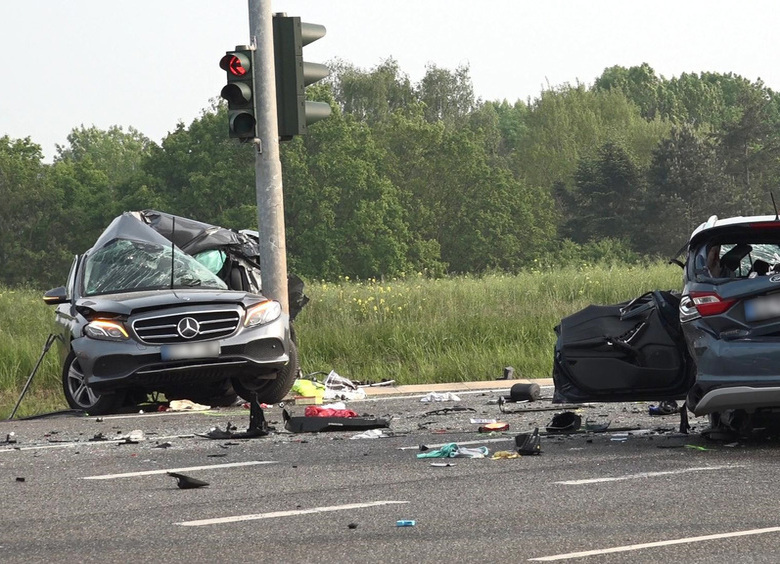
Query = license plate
x=186 y=351
x=764 y=307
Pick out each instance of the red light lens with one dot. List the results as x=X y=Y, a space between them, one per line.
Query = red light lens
x=235 y=67
x=710 y=303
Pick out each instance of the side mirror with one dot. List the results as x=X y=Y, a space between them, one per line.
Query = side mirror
x=55 y=296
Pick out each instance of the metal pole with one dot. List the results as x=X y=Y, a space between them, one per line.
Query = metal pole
x=268 y=167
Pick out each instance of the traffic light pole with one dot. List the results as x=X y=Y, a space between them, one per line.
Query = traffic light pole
x=268 y=166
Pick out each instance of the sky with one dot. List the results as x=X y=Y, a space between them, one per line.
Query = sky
x=151 y=64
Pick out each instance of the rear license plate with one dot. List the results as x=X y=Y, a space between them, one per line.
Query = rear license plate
x=190 y=350
x=764 y=307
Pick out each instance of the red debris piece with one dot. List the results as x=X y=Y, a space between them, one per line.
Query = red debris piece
x=317 y=411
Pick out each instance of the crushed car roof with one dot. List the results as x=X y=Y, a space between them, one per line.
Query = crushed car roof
x=193 y=236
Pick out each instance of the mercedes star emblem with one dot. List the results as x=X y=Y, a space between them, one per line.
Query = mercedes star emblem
x=188 y=327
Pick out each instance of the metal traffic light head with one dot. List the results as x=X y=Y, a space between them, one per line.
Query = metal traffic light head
x=239 y=92
x=294 y=112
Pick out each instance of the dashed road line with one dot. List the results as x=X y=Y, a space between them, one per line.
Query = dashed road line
x=188 y=469
x=646 y=475
x=656 y=544
x=275 y=514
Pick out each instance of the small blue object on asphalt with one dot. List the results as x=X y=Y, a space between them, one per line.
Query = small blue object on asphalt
x=405 y=523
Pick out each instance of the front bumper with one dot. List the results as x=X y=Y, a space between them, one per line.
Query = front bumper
x=257 y=351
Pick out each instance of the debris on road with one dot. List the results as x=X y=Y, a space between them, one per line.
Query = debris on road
x=566 y=421
x=493 y=427
x=446 y=410
x=529 y=443
x=322 y=411
x=439 y=396
x=338 y=387
x=370 y=434
x=132 y=438
x=452 y=450
x=217 y=433
x=405 y=523
x=186 y=405
x=187 y=482
x=320 y=424
x=524 y=392
x=504 y=455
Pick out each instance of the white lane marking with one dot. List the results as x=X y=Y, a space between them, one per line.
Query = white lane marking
x=630 y=547
x=272 y=515
x=188 y=469
x=646 y=475
x=147 y=440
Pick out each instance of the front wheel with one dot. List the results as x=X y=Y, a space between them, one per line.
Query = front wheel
x=270 y=391
x=80 y=396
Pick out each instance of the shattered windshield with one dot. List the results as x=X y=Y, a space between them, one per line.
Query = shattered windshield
x=124 y=265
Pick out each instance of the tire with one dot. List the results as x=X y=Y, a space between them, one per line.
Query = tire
x=80 y=396
x=270 y=391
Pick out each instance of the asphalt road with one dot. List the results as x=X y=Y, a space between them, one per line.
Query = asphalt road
x=325 y=497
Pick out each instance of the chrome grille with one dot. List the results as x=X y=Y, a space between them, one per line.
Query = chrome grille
x=161 y=329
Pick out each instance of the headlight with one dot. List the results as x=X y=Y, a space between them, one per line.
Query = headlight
x=105 y=330
x=262 y=313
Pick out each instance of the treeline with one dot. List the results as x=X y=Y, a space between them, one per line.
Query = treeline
x=424 y=177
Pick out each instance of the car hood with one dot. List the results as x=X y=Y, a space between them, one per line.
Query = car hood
x=128 y=303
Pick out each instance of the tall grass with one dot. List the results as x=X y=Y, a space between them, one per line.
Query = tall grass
x=412 y=330
x=456 y=329
x=25 y=323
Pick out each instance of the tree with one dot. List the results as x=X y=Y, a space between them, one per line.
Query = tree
x=447 y=96
x=371 y=96
x=686 y=185
x=749 y=144
x=31 y=250
x=609 y=192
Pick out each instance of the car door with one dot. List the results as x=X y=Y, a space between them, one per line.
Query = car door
x=65 y=315
x=633 y=351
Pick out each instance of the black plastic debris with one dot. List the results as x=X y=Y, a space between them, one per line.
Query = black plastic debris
x=163 y=445
x=320 y=424
x=352 y=526
x=529 y=443
x=187 y=482
x=217 y=433
x=446 y=410
x=564 y=422
x=20 y=479
x=524 y=392
x=664 y=408
x=258 y=427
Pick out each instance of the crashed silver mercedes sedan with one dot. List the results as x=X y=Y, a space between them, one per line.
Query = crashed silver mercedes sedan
x=167 y=304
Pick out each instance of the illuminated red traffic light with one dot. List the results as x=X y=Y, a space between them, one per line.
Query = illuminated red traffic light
x=239 y=92
x=233 y=64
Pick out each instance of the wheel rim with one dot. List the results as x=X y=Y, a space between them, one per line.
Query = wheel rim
x=81 y=394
